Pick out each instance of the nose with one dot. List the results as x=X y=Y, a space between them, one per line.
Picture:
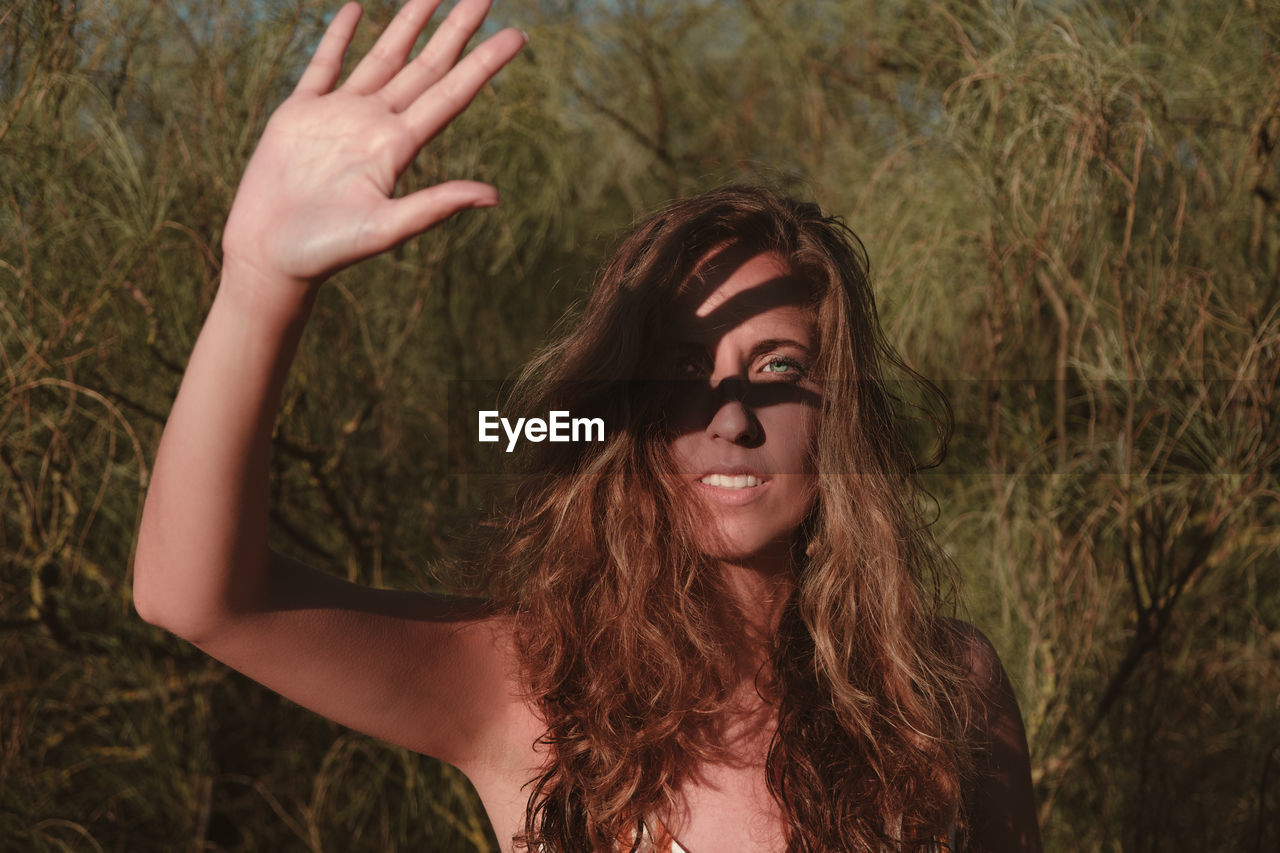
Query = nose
x=733 y=420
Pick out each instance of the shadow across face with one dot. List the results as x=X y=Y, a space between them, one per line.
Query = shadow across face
x=741 y=334
x=743 y=402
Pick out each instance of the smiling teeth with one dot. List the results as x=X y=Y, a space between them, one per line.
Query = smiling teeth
x=737 y=481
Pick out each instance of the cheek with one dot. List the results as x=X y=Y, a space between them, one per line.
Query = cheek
x=793 y=439
x=680 y=452
x=795 y=497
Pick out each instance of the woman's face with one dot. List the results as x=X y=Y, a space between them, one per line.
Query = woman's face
x=745 y=417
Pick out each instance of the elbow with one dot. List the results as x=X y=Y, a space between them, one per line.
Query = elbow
x=153 y=598
x=151 y=605
x=158 y=604
x=176 y=585
x=180 y=622
x=147 y=605
x=194 y=598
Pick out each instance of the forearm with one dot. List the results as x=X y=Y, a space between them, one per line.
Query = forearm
x=202 y=552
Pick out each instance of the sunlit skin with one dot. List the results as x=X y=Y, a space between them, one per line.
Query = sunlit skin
x=748 y=409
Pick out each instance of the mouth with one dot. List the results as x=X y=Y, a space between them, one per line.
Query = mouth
x=733 y=482
x=733 y=487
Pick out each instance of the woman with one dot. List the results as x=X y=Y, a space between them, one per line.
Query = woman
x=710 y=626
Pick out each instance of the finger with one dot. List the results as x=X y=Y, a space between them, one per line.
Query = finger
x=440 y=54
x=326 y=63
x=389 y=52
x=450 y=96
x=404 y=217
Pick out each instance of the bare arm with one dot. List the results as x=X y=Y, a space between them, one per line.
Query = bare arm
x=425 y=672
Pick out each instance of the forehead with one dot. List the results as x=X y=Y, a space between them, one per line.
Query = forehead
x=737 y=289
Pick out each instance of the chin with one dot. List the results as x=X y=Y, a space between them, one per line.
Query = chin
x=737 y=546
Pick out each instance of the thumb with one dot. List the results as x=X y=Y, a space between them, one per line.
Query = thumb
x=406 y=217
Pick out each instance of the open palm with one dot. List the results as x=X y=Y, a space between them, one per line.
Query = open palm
x=317 y=194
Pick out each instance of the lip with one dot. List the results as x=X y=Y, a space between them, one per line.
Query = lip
x=733 y=471
x=732 y=497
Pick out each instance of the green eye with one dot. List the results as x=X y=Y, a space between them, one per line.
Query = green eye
x=782 y=367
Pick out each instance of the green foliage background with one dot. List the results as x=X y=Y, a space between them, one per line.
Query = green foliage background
x=1073 y=211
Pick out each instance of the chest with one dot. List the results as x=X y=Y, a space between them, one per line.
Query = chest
x=723 y=807
x=726 y=809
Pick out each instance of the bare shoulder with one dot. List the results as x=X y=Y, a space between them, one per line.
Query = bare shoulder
x=1000 y=803
x=976 y=654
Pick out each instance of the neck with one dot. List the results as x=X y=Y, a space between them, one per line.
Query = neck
x=757 y=590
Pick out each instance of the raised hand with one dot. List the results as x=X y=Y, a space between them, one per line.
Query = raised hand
x=317 y=194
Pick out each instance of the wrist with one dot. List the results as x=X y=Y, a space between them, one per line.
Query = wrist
x=270 y=297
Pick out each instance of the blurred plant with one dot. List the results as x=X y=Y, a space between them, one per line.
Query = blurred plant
x=1072 y=214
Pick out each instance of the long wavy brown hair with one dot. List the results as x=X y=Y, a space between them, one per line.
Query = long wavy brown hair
x=617 y=606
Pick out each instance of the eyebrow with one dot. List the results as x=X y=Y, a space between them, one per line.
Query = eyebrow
x=778 y=343
x=756 y=351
